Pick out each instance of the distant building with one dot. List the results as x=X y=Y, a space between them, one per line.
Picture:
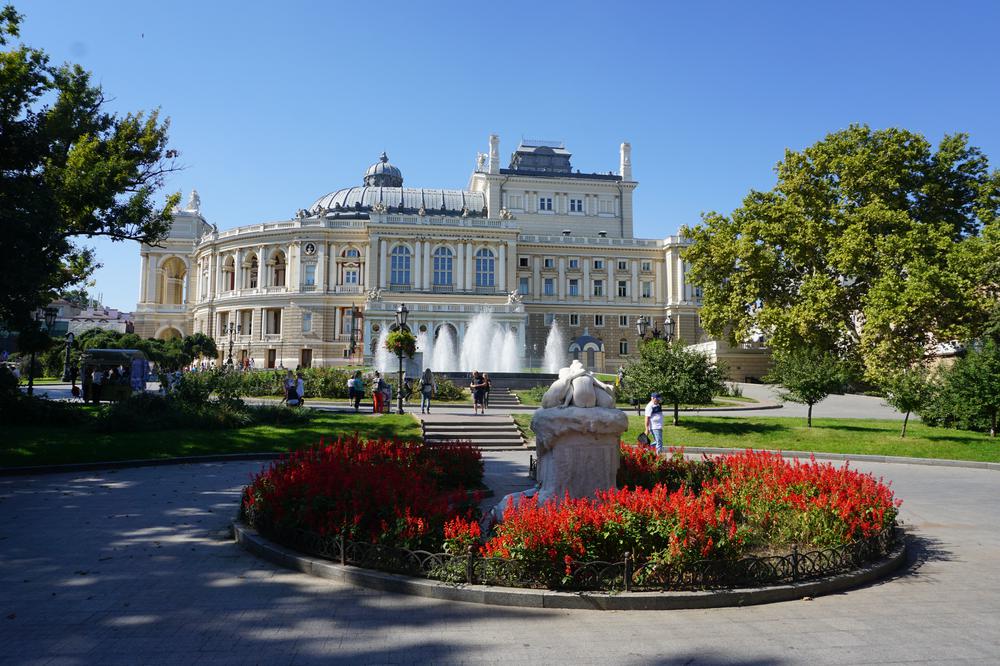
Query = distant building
x=534 y=242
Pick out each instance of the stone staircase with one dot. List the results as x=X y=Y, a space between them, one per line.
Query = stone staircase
x=502 y=397
x=487 y=432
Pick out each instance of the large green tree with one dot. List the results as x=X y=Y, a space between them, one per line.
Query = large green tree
x=69 y=170
x=873 y=244
x=807 y=376
x=678 y=374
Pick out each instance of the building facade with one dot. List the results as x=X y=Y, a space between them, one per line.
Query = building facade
x=534 y=242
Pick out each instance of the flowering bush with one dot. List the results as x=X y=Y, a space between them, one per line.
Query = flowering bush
x=378 y=491
x=676 y=511
x=401 y=342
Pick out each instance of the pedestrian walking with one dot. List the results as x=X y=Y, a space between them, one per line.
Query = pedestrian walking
x=654 y=422
x=486 y=392
x=357 y=389
x=428 y=387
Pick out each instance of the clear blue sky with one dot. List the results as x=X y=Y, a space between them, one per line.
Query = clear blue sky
x=275 y=104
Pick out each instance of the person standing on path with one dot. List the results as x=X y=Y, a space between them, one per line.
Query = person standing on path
x=357 y=389
x=378 y=393
x=654 y=422
x=478 y=388
x=428 y=388
x=300 y=389
x=486 y=392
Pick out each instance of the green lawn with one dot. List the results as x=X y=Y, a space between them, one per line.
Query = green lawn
x=527 y=397
x=857 y=436
x=45 y=445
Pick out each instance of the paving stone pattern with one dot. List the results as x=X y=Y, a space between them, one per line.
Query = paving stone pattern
x=136 y=566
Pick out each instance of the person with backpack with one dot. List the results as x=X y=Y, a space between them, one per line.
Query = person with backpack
x=378 y=393
x=428 y=387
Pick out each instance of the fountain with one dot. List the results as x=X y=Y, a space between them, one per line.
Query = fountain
x=555 y=350
x=444 y=358
x=383 y=358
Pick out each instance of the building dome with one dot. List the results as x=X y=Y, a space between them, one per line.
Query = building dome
x=383 y=174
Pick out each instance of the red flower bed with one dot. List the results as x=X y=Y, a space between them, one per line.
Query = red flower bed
x=712 y=508
x=379 y=491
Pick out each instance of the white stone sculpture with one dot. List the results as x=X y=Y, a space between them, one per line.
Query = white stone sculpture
x=373 y=294
x=577 y=437
x=194 y=202
x=514 y=297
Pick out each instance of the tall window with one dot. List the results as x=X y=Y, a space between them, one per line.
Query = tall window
x=598 y=320
x=442 y=267
x=647 y=289
x=574 y=320
x=549 y=318
x=598 y=264
x=279 y=269
x=550 y=287
x=400 y=265
x=544 y=203
x=252 y=281
x=574 y=287
x=549 y=262
x=598 y=287
x=623 y=265
x=647 y=266
x=523 y=285
x=623 y=321
x=485 y=267
x=622 y=288
x=307 y=322
x=352 y=252
x=230 y=269
x=310 y=276
x=576 y=205
x=574 y=263
x=272 y=321
x=623 y=348
x=351 y=276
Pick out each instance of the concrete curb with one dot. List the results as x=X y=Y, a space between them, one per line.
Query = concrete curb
x=143 y=462
x=254 y=543
x=859 y=457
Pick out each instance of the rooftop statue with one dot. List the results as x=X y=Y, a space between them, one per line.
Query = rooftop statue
x=194 y=203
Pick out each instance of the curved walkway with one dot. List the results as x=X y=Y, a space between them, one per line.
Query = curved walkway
x=137 y=566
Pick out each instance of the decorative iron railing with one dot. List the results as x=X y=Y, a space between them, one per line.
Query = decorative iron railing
x=627 y=575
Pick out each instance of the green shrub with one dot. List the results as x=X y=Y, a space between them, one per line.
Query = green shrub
x=20 y=409
x=447 y=391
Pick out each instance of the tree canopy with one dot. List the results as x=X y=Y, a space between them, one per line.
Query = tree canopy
x=167 y=354
x=678 y=374
x=69 y=169
x=872 y=244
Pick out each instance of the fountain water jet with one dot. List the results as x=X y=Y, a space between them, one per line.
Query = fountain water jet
x=555 y=350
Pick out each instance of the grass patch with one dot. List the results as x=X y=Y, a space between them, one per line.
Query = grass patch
x=533 y=398
x=49 y=445
x=852 y=436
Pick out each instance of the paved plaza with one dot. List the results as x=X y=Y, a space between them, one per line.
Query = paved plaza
x=137 y=566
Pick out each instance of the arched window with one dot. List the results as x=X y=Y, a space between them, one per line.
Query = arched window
x=352 y=252
x=230 y=269
x=279 y=269
x=400 y=266
x=250 y=279
x=485 y=268
x=442 y=267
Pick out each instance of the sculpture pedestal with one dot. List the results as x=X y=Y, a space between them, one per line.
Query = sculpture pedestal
x=578 y=450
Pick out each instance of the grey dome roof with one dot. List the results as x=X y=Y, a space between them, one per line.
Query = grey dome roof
x=383 y=174
x=401 y=199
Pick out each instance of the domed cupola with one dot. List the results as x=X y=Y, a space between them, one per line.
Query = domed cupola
x=383 y=174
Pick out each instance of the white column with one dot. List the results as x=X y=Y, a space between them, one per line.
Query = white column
x=635 y=280
x=213 y=277
x=427 y=264
x=587 y=287
x=144 y=277
x=330 y=278
x=337 y=322
x=321 y=266
x=382 y=252
x=368 y=252
x=536 y=277
x=681 y=291
x=459 y=267
x=418 y=265
x=469 y=267
x=238 y=267
x=502 y=268
x=561 y=287
x=658 y=285
x=612 y=287
x=260 y=267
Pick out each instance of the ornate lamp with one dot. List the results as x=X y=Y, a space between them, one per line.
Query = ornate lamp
x=50 y=317
x=641 y=324
x=401 y=314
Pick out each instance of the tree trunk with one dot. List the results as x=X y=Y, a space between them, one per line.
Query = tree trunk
x=993 y=424
x=677 y=408
x=809 y=416
x=905 y=419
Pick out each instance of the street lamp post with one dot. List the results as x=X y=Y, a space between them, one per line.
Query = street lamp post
x=401 y=314
x=234 y=330
x=643 y=323
x=50 y=320
x=66 y=372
